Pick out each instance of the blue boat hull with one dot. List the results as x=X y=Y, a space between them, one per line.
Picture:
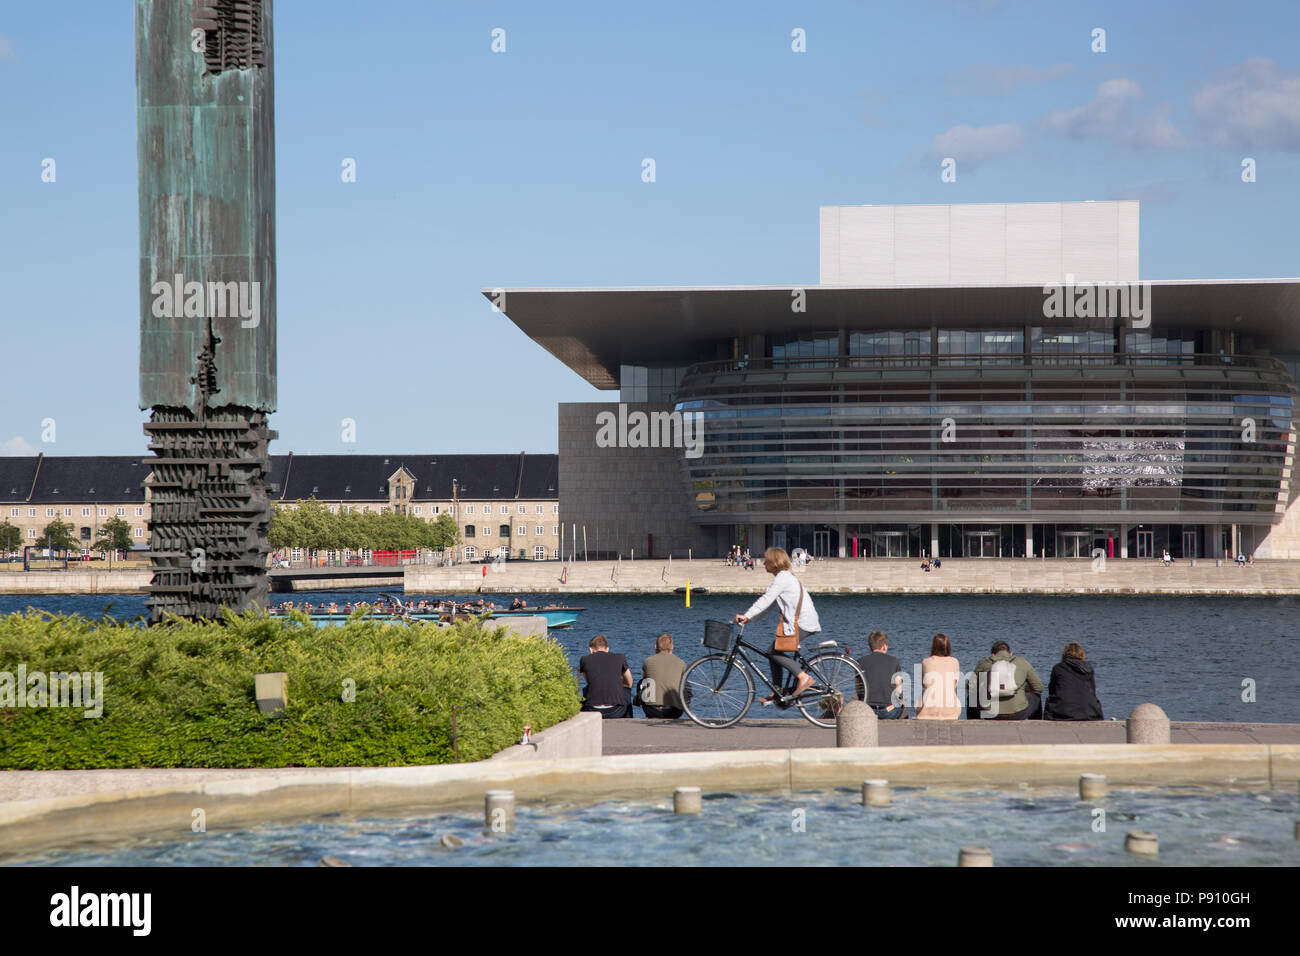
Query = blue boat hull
x=555 y=617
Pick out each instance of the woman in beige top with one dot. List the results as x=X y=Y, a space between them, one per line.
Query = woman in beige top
x=939 y=676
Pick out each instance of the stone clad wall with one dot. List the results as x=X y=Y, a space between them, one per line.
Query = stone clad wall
x=1283 y=540
x=621 y=495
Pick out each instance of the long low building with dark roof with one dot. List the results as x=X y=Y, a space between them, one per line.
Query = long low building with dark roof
x=988 y=380
x=499 y=502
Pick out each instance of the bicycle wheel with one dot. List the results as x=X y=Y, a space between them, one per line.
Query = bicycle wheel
x=839 y=679
x=709 y=704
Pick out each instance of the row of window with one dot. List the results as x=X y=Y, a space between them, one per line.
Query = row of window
x=505 y=509
x=539 y=553
x=980 y=342
x=505 y=530
x=418 y=510
x=135 y=533
x=67 y=512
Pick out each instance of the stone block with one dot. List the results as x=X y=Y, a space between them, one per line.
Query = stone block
x=271 y=691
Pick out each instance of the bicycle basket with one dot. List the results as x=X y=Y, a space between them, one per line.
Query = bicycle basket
x=717 y=635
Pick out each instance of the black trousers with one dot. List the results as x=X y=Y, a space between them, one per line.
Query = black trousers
x=781 y=660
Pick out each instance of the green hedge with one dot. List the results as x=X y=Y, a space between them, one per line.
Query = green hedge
x=181 y=694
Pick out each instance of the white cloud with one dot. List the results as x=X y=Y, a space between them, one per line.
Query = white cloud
x=1253 y=105
x=987 y=80
x=1115 y=114
x=972 y=145
x=6 y=49
x=17 y=446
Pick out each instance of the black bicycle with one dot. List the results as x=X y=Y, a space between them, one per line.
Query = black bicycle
x=717 y=690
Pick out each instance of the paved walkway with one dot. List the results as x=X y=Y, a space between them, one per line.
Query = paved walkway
x=682 y=736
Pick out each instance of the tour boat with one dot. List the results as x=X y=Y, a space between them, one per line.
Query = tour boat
x=445 y=613
x=556 y=617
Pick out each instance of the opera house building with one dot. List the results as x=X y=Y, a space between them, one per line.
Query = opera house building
x=962 y=381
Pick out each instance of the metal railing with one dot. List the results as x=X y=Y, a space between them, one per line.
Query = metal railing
x=987 y=360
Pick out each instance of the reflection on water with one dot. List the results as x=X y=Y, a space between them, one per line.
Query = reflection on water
x=921 y=827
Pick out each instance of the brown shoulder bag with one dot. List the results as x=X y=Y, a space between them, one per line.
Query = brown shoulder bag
x=788 y=643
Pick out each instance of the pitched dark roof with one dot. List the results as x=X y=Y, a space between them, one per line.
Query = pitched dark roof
x=365 y=477
x=16 y=476
x=541 y=477
x=120 y=478
x=91 y=478
x=50 y=480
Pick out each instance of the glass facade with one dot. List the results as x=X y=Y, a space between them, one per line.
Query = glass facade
x=1069 y=430
x=649 y=383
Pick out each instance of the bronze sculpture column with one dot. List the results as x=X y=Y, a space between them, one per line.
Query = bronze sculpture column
x=206 y=154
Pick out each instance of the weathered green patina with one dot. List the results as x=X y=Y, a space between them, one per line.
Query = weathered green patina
x=206 y=153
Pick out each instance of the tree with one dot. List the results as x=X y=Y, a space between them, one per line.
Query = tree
x=442 y=534
x=11 y=537
x=114 y=535
x=57 y=536
x=284 y=529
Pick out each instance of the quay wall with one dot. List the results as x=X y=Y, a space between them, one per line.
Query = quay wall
x=874 y=576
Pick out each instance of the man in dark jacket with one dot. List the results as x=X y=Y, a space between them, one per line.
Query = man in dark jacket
x=608 y=680
x=1072 y=688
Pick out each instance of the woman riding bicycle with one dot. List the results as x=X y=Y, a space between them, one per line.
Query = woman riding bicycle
x=792 y=601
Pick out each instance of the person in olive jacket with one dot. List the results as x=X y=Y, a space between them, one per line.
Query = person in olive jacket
x=1072 y=688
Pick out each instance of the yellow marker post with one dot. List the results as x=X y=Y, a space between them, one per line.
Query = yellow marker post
x=688 y=592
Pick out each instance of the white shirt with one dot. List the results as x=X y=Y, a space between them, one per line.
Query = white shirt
x=784 y=590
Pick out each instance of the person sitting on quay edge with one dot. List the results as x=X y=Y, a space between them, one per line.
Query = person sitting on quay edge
x=608 y=680
x=1072 y=688
x=884 y=678
x=940 y=673
x=1014 y=689
x=661 y=679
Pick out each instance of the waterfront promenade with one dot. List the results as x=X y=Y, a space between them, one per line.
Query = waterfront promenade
x=683 y=736
x=833 y=576
x=874 y=576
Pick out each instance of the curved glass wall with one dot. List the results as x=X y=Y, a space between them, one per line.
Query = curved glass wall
x=1049 y=437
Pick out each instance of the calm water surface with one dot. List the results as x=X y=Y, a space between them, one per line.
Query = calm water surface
x=1195 y=657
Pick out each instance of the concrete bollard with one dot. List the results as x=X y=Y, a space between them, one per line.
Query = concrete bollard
x=688 y=800
x=1141 y=842
x=499 y=811
x=857 y=726
x=1147 y=725
x=1092 y=786
x=975 y=856
x=271 y=691
x=875 y=793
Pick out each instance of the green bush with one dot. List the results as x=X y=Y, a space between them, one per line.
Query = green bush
x=181 y=694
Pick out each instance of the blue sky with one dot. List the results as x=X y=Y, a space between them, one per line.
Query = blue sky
x=523 y=168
